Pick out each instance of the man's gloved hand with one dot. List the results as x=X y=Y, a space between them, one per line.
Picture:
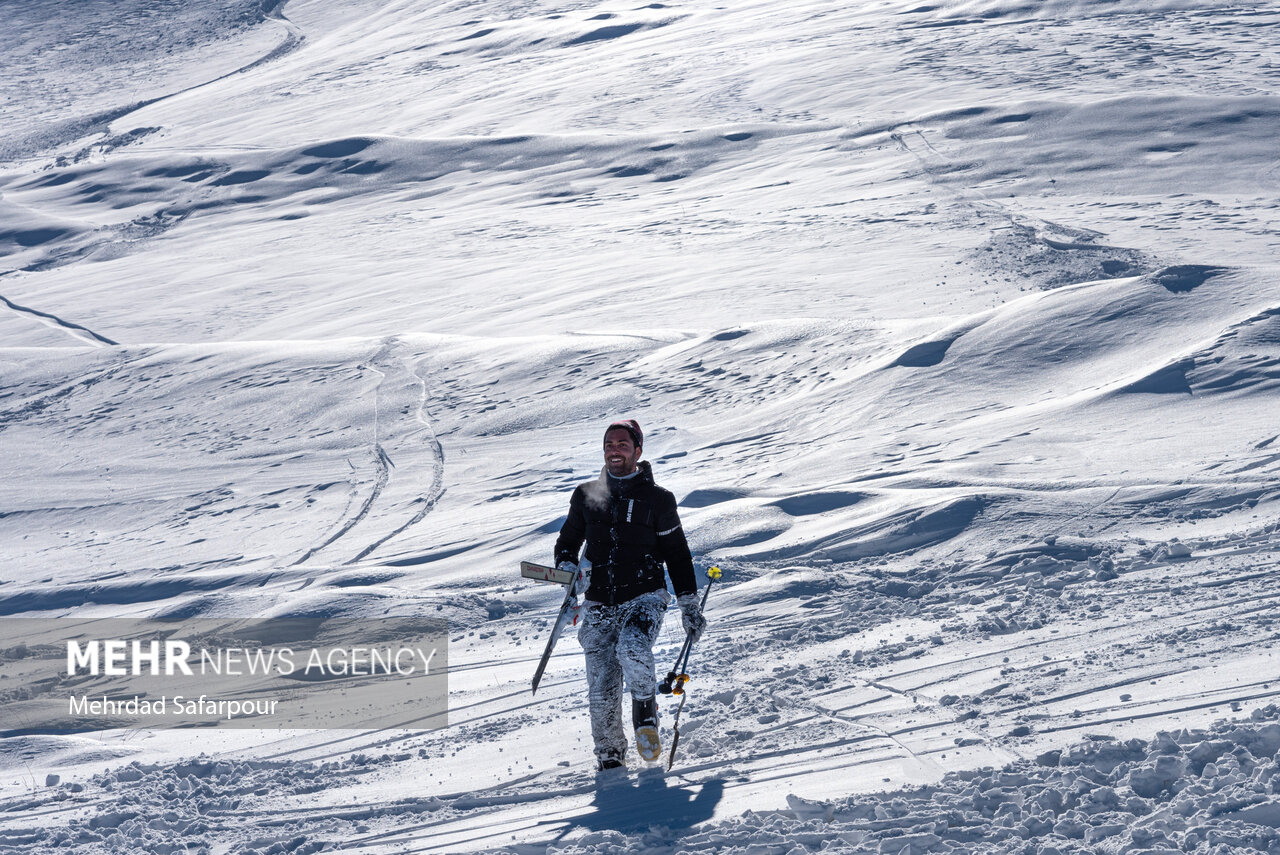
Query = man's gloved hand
x=582 y=572
x=691 y=615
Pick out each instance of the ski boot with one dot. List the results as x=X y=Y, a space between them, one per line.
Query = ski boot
x=644 y=716
x=611 y=759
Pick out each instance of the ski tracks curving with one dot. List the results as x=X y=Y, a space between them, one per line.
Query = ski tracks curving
x=426 y=503
x=393 y=373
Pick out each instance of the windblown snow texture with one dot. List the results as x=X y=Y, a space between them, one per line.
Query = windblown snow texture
x=953 y=326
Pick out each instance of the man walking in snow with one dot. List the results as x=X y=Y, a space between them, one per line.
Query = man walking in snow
x=631 y=529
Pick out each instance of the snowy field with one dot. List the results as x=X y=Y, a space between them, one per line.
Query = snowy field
x=953 y=325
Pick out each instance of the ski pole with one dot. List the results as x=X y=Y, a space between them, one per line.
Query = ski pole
x=682 y=662
x=675 y=734
x=676 y=678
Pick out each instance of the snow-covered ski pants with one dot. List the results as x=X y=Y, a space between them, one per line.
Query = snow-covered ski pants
x=618 y=642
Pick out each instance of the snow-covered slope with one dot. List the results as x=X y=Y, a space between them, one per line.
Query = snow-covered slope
x=954 y=328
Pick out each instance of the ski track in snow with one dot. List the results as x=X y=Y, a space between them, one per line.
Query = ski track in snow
x=383 y=465
x=80 y=129
x=952 y=327
x=437 y=479
x=80 y=333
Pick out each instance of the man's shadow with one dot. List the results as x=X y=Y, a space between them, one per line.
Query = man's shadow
x=634 y=804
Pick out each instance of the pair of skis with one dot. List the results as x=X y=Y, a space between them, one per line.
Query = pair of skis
x=568 y=609
x=676 y=678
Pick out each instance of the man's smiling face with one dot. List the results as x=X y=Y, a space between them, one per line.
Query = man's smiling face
x=620 y=453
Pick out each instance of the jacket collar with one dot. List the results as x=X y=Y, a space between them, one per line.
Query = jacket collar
x=643 y=475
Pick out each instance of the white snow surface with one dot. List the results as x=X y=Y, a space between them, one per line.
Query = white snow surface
x=953 y=325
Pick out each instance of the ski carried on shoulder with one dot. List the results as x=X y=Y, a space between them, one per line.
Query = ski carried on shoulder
x=567 y=615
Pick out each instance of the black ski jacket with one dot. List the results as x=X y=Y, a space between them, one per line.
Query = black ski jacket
x=631 y=529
